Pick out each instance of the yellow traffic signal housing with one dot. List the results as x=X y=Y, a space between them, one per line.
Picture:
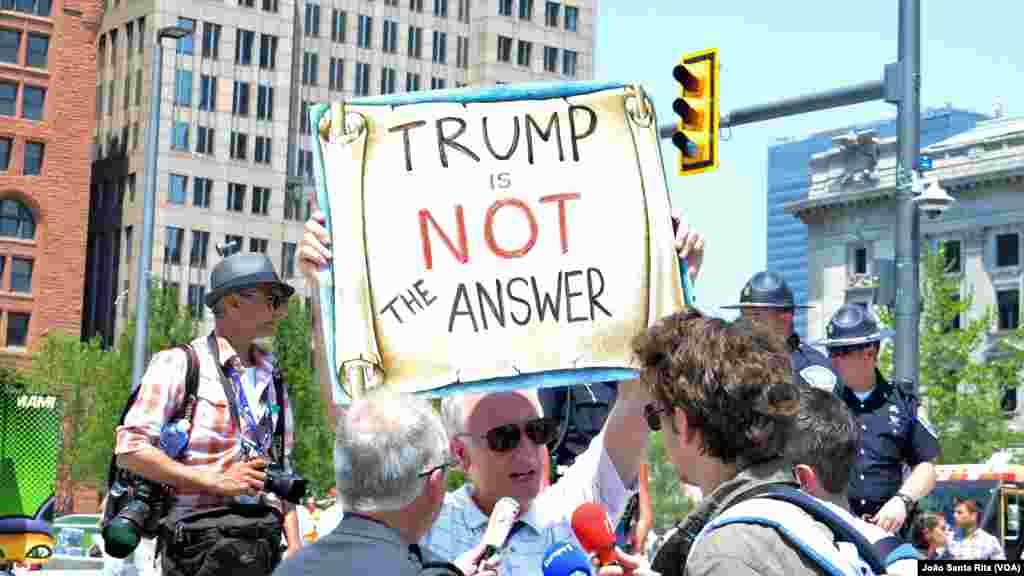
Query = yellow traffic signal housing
x=696 y=134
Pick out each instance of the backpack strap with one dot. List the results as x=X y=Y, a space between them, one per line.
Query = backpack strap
x=904 y=551
x=278 y=439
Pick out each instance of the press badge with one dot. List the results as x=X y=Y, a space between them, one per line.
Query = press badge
x=174 y=438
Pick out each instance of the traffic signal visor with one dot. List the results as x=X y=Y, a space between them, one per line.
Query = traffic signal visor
x=696 y=135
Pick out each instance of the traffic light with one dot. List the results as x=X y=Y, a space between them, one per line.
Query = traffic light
x=696 y=135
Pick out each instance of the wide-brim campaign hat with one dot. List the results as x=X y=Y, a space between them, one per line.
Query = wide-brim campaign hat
x=853 y=325
x=241 y=271
x=766 y=290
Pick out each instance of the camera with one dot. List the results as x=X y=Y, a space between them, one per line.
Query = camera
x=140 y=505
x=934 y=201
x=285 y=485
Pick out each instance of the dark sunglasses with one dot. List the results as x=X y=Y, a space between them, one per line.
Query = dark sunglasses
x=837 y=352
x=652 y=413
x=274 y=299
x=448 y=463
x=506 y=438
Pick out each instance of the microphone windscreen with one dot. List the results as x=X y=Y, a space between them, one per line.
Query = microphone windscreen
x=566 y=559
x=593 y=529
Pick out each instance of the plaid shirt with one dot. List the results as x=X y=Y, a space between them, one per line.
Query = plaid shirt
x=978 y=546
x=214 y=443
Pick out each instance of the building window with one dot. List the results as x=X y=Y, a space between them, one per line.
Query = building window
x=441 y=8
x=126 y=95
x=239 y=145
x=138 y=87
x=196 y=300
x=440 y=47
x=336 y=74
x=362 y=87
x=270 y=5
x=180 y=136
x=244 y=40
x=131 y=181
x=142 y=33
x=954 y=324
x=38 y=49
x=201 y=189
x=338 y=20
x=288 y=259
x=260 y=200
x=388 y=77
x=412 y=81
x=33 y=159
x=262 y=153
x=365 y=31
x=1007 y=250
x=462 y=54
x=16 y=220
x=312 y=28
x=268 y=51
x=211 y=40
x=569 y=63
x=236 y=197
x=951 y=254
x=1008 y=302
x=438 y=83
x=523 y=56
x=504 y=7
x=200 y=246
x=504 y=49
x=207 y=92
x=129 y=248
x=310 y=68
x=183 y=87
x=33 y=101
x=526 y=9
x=204 y=141
x=293 y=205
x=17 y=329
x=21 y=275
x=8 y=97
x=172 y=249
x=136 y=135
x=571 y=17
x=258 y=245
x=551 y=10
x=185 y=44
x=551 y=59
x=240 y=102
x=176 y=191
x=306 y=165
x=390 y=39
x=464 y=11
x=416 y=6
x=415 y=42
x=6 y=144
x=264 y=102
x=304 y=117
x=860 y=260
x=232 y=243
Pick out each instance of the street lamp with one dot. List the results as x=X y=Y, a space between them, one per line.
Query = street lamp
x=152 y=147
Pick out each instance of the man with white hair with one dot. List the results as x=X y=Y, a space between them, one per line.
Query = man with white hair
x=391 y=462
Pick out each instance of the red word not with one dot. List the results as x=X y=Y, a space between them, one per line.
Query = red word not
x=460 y=247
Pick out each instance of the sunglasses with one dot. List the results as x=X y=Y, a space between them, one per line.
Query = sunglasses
x=274 y=299
x=838 y=352
x=506 y=438
x=652 y=413
x=448 y=463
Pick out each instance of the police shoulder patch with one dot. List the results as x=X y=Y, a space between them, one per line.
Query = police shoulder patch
x=923 y=420
x=819 y=377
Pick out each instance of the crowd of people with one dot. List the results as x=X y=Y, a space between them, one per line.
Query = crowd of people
x=772 y=433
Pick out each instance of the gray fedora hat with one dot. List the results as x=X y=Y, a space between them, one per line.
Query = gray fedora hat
x=240 y=271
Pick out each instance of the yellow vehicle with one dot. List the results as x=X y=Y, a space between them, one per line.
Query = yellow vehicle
x=999 y=491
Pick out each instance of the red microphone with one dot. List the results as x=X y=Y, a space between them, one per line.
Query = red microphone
x=595 y=532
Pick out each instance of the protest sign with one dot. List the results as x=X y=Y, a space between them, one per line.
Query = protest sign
x=507 y=237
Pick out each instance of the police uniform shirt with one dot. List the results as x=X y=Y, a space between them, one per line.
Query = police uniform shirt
x=893 y=434
x=814 y=367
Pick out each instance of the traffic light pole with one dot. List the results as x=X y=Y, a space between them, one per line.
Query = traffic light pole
x=901 y=86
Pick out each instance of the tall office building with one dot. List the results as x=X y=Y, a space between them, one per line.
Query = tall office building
x=46 y=71
x=235 y=153
x=788 y=180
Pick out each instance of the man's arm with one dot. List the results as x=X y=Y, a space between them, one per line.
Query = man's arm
x=645 y=514
x=920 y=482
x=151 y=463
x=291 y=529
x=625 y=431
x=320 y=358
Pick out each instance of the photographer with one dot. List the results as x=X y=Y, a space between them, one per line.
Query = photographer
x=228 y=467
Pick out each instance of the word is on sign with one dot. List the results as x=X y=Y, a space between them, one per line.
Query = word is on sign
x=491 y=233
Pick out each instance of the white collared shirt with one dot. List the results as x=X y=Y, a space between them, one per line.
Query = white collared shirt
x=592 y=478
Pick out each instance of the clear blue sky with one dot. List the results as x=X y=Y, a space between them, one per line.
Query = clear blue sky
x=970 y=55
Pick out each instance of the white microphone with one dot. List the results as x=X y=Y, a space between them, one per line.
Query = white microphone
x=500 y=524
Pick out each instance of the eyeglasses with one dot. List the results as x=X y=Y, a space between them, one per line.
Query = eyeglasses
x=274 y=299
x=652 y=413
x=506 y=438
x=448 y=463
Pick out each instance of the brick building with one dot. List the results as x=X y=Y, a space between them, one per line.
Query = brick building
x=47 y=87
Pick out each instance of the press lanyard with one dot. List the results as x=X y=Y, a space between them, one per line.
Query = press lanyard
x=262 y=438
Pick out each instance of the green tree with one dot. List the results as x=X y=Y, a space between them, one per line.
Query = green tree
x=669 y=503
x=313 y=455
x=962 y=374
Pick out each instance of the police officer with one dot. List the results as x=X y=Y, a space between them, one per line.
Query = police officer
x=767 y=297
x=895 y=432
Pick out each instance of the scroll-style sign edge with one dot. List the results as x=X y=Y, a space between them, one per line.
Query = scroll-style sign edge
x=503 y=93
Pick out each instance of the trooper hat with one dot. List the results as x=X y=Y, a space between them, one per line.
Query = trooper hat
x=853 y=325
x=766 y=290
x=240 y=271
